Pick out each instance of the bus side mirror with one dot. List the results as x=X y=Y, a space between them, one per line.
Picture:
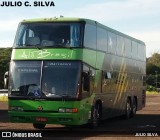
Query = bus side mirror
x=6 y=80
x=86 y=81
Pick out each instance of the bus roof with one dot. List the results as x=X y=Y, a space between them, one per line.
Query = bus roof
x=64 y=19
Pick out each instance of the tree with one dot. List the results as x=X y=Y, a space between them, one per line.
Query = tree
x=5 y=55
x=154 y=59
x=153 y=72
x=151 y=68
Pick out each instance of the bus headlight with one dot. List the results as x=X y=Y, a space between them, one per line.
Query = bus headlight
x=15 y=108
x=62 y=110
x=68 y=110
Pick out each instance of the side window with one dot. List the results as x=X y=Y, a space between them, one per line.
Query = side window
x=144 y=53
x=101 y=39
x=90 y=36
x=141 y=52
x=106 y=81
x=112 y=43
x=88 y=80
x=134 y=49
x=74 y=35
x=127 y=47
x=120 y=45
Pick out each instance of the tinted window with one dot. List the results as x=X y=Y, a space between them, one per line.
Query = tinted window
x=90 y=36
x=44 y=78
x=120 y=45
x=134 y=49
x=25 y=78
x=60 y=78
x=127 y=47
x=112 y=42
x=48 y=34
x=101 y=39
x=141 y=52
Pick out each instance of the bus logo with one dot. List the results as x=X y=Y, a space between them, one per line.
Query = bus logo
x=6 y=134
x=40 y=108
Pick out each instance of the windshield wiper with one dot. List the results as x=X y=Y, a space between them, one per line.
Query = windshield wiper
x=49 y=94
x=66 y=96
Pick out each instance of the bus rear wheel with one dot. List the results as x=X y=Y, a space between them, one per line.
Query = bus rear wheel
x=134 y=107
x=128 y=109
x=39 y=125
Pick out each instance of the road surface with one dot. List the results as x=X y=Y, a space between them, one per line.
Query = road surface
x=146 y=124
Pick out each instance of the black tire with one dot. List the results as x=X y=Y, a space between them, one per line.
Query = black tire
x=39 y=125
x=128 y=110
x=134 y=107
x=96 y=115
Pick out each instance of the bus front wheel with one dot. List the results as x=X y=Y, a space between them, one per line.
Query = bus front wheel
x=96 y=114
x=39 y=125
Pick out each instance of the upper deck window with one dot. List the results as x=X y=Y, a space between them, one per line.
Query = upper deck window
x=48 y=35
x=90 y=38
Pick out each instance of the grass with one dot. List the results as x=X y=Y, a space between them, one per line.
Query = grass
x=3 y=97
x=152 y=92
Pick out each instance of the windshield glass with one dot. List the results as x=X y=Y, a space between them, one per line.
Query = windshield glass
x=60 y=78
x=47 y=79
x=25 y=78
x=48 y=35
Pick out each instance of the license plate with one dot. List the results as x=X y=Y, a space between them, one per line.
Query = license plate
x=41 y=119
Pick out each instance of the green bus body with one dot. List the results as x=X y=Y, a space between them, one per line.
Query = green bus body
x=115 y=73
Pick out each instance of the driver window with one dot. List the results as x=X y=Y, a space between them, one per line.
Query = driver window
x=88 y=78
x=85 y=79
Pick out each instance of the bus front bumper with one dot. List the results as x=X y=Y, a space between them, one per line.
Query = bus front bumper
x=47 y=118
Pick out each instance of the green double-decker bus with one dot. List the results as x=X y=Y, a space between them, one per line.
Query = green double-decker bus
x=74 y=71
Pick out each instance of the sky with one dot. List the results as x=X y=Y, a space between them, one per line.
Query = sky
x=137 y=18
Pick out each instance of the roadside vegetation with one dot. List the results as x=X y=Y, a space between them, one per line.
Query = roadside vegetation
x=152 y=92
x=5 y=55
x=153 y=74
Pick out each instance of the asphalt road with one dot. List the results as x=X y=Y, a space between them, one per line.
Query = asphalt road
x=146 y=123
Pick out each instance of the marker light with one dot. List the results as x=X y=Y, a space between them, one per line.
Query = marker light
x=15 y=108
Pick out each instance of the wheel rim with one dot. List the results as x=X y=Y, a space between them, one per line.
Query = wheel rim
x=128 y=109
x=134 y=107
x=96 y=115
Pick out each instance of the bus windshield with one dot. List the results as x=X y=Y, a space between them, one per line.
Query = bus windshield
x=44 y=79
x=48 y=35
